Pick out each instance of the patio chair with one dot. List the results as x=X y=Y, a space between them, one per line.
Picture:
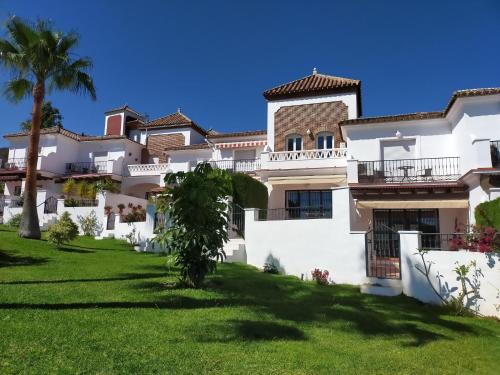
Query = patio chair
x=425 y=174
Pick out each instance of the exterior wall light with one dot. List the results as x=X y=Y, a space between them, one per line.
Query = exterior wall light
x=398 y=134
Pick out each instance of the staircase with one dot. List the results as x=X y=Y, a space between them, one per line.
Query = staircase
x=235 y=250
x=382 y=287
x=47 y=220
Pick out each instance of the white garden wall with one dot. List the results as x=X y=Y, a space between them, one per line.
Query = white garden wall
x=299 y=246
x=445 y=279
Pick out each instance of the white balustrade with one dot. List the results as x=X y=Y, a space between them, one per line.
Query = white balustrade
x=333 y=153
x=146 y=169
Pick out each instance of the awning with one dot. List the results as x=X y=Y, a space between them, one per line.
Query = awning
x=296 y=180
x=398 y=204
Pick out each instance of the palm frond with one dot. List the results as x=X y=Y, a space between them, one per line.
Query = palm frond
x=74 y=77
x=17 y=89
x=22 y=32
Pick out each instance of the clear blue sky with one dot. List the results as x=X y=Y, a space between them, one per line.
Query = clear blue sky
x=215 y=58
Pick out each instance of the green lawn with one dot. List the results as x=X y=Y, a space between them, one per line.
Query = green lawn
x=97 y=307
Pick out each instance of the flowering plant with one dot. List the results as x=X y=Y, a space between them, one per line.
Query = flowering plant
x=479 y=239
x=321 y=277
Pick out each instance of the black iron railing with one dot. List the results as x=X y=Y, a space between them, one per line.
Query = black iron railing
x=294 y=213
x=16 y=202
x=239 y=165
x=50 y=205
x=409 y=170
x=238 y=219
x=495 y=153
x=443 y=241
x=87 y=167
x=15 y=163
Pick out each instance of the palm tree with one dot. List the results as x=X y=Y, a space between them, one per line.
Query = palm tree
x=37 y=56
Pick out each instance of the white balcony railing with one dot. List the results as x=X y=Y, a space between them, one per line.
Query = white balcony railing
x=146 y=169
x=334 y=153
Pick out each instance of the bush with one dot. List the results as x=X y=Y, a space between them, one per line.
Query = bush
x=89 y=224
x=248 y=192
x=15 y=221
x=271 y=268
x=197 y=210
x=63 y=231
x=70 y=202
x=488 y=214
x=321 y=277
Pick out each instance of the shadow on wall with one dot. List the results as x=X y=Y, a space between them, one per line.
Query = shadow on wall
x=271 y=259
x=446 y=281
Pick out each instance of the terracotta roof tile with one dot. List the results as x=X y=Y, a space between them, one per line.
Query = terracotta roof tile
x=70 y=134
x=394 y=118
x=237 y=134
x=471 y=92
x=173 y=120
x=313 y=84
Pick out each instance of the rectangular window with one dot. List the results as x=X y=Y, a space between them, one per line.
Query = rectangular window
x=321 y=142
x=308 y=204
x=329 y=142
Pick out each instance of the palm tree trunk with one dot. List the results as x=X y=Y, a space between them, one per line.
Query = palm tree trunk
x=30 y=227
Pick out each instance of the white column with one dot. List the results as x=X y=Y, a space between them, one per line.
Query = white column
x=409 y=245
x=352 y=171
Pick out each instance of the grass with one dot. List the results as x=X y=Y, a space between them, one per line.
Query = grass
x=97 y=307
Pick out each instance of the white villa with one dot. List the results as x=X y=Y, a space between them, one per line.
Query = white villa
x=351 y=194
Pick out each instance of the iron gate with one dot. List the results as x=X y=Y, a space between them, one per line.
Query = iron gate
x=383 y=257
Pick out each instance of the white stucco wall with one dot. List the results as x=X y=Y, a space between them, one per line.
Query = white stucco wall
x=300 y=246
x=444 y=278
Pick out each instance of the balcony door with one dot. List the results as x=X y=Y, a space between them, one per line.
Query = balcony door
x=100 y=160
x=244 y=160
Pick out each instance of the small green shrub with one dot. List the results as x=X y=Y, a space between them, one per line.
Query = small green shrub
x=63 y=231
x=271 y=268
x=89 y=224
x=248 y=192
x=15 y=221
x=488 y=214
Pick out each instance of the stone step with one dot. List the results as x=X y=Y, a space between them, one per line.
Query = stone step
x=382 y=290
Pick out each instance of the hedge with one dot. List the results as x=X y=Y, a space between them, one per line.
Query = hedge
x=488 y=213
x=248 y=192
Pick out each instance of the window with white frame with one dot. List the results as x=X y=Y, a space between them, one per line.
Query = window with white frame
x=324 y=141
x=294 y=142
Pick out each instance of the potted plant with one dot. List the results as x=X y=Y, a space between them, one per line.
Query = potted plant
x=107 y=210
x=120 y=207
x=132 y=239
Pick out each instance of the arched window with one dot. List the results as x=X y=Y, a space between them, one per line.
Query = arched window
x=294 y=142
x=324 y=141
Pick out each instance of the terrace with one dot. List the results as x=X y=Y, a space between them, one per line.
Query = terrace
x=408 y=171
x=305 y=159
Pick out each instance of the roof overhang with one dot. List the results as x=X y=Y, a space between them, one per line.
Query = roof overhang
x=334 y=180
x=403 y=204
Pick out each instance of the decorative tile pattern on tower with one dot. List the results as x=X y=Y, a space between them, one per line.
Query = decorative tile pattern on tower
x=318 y=117
x=157 y=144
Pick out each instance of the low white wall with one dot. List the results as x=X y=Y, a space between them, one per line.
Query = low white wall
x=300 y=246
x=9 y=212
x=445 y=279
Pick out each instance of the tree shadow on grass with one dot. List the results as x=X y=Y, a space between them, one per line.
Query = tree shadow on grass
x=10 y=260
x=75 y=249
x=252 y=330
x=122 y=277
